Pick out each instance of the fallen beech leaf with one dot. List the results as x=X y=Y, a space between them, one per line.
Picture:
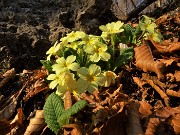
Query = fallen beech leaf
x=72 y=129
x=115 y=125
x=1 y=98
x=99 y=117
x=161 y=92
x=18 y=118
x=145 y=61
x=7 y=76
x=173 y=93
x=145 y=108
x=8 y=108
x=166 y=46
x=139 y=82
x=152 y=126
x=177 y=76
x=174 y=121
x=166 y=112
x=133 y=126
x=36 y=124
x=162 y=19
x=167 y=62
x=4 y=127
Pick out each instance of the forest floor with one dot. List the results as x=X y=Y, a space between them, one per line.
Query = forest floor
x=141 y=102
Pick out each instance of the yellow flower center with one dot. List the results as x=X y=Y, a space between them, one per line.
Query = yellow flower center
x=90 y=78
x=98 y=50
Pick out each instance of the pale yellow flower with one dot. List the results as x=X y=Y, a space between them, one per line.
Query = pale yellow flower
x=90 y=78
x=110 y=78
x=65 y=64
x=98 y=52
x=53 y=50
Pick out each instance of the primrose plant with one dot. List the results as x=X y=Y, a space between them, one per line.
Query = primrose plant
x=81 y=63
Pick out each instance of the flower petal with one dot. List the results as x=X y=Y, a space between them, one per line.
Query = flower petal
x=83 y=72
x=74 y=66
x=82 y=85
x=95 y=57
x=51 y=77
x=70 y=59
x=105 y=56
x=92 y=87
x=61 y=60
x=100 y=79
x=94 y=69
x=53 y=84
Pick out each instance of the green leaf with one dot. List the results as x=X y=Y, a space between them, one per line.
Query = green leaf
x=48 y=65
x=71 y=111
x=127 y=34
x=125 y=55
x=53 y=109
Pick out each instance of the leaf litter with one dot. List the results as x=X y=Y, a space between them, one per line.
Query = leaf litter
x=150 y=105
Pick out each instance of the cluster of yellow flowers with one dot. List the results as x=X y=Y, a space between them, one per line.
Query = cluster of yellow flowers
x=83 y=62
x=68 y=75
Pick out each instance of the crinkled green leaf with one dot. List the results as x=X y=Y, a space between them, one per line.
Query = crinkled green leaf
x=53 y=109
x=125 y=55
x=71 y=111
x=48 y=64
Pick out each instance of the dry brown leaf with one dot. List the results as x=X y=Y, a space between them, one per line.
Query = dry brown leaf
x=160 y=91
x=36 y=124
x=72 y=129
x=139 y=82
x=36 y=88
x=166 y=112
x=145 y=108
x=170 y=77
x=166 y=46
x=67 y=100
x=167 y=62
x=4 y=127
x=162 y=19
x=177 y=76
x=1 y=98
x=18 y=119
x=174 y=121
x=115 y=125
x=145 y=61
x=8 y=108
x=7 y=76
x=152 y=126
x=173 y=93
x=133 y=126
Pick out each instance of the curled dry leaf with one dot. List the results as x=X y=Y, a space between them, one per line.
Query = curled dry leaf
x=115 y=125
x=177 y=76
x=139 y=82
x=145 y=61
x=166 y=46
x=67 y=100
x=160 y=91
x=166 y=112
x=152 y=126
x=72 y=129
x=7 y=76
x=167 y=62
x=1 y=98
x=36 y=88
x=174 y=121
x=173 y=93
x=145 y=108
x=4 y=127
x=8 y=108
x=36 y=124
x=133 y=126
